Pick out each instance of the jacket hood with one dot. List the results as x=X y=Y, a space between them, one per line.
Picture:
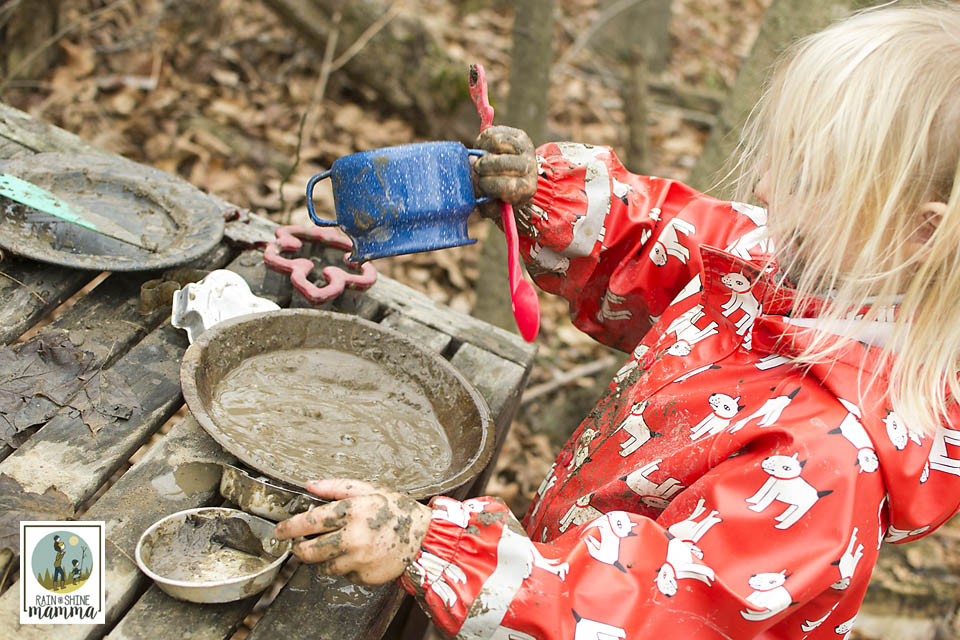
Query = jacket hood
x=921 y=471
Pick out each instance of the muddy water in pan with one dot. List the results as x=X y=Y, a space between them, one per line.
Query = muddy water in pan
x=321 y=413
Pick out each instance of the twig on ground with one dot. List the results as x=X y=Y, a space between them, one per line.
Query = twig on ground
x=564 y=379
x=584 y=37
x=365 y=37
x=8 y=276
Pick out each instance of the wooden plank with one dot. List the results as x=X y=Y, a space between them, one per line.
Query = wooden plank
x=463 y=328
x=107 y=322
x=417 y=331
x=156 y=616
x=327 y=608
x=39 y=135
x=29 y=291
x=10 y=149
x=64 y=453
x=179 y=472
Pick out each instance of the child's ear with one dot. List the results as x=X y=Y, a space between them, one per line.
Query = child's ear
x=928 y=219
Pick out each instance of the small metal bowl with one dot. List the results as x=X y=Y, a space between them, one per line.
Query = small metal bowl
x=158 y=537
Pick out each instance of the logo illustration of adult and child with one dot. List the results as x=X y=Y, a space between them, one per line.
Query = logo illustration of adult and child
x=62 y=562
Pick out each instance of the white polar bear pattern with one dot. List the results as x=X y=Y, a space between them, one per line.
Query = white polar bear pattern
x=769 y=413
x=612 y=527
x=741 y=299
x=847 y=564
x=668 y=242
x=852 y=429
x=724 y=408
x=769 y=597
x=657 y=495
x=687 y=332
x=785 y=485
x=899 y=433
x=579 y=513
x=432 y=572
x=636 y=428
x=940 y=458
x=606 y=310
x=594 y=630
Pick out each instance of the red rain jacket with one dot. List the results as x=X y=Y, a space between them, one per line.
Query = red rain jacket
x=719 y=490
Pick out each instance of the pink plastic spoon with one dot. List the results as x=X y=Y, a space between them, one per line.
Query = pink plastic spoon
x=523 y=297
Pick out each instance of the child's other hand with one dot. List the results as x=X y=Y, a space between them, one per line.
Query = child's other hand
x=508 y=171
x=369 y=535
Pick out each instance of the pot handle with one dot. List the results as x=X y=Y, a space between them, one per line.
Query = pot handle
x=320 y=222
x=479 y=152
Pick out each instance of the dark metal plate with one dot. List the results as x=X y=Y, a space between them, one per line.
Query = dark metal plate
x=169 y=213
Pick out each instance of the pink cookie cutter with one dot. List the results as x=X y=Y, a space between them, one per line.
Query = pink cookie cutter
x=290 y=240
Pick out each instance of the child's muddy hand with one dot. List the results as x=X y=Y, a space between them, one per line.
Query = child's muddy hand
x=508 y=171
x=369 y=535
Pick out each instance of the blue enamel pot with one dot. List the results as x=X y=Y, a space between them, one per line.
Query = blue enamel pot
x=403 y=199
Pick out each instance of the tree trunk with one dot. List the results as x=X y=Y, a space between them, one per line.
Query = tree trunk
x=527 y=110
x=783 y=22
x=401 y=64
x=24 y=47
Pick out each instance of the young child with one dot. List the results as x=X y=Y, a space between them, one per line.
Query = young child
x=784 y=410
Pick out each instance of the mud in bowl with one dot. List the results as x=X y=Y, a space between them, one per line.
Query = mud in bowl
x=437 y=416
x=211 y=554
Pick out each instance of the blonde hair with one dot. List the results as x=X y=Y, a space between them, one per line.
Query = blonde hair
x=858 y=127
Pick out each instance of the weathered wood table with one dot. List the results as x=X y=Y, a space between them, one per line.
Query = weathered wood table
x=146 y=350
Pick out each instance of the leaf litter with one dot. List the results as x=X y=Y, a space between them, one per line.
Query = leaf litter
x=46 y=373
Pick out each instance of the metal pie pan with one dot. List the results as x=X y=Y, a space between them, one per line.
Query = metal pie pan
x=166 y=211
x=459 y=407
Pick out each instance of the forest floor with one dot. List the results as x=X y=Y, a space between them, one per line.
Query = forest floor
x=215 y=91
